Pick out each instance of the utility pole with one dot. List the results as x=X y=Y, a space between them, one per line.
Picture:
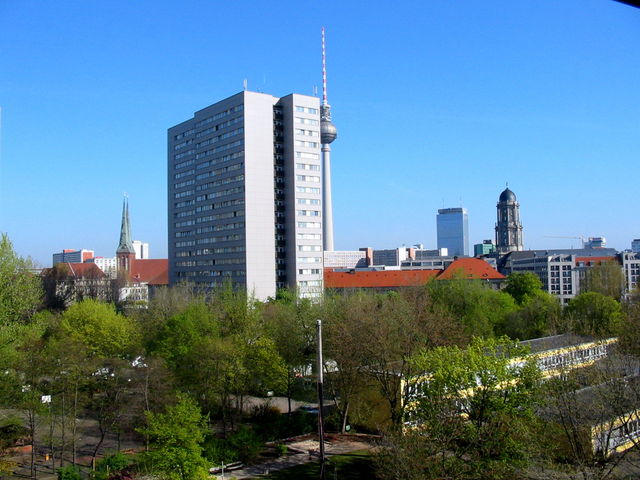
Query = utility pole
x=320 y=393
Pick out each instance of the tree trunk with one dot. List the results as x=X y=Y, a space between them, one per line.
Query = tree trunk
x=289 y=385
x=63 y=417
x=103 y=433
x=75 y=421
x=343 y=414
x=32 y=427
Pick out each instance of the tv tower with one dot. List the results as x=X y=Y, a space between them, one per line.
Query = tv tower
x=328 y=133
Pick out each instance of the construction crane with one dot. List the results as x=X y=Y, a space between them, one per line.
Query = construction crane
x=584 y=240
x=581 y=238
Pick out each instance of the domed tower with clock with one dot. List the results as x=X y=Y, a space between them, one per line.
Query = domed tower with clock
x=508 y=226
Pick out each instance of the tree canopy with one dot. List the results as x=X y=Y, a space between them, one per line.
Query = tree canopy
x=593 y=313
x=20 y=290
x=98 y=326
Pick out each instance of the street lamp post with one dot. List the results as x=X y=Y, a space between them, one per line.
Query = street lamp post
x=320 y=393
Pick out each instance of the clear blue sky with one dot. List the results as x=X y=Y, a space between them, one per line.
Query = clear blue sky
x=437 y=103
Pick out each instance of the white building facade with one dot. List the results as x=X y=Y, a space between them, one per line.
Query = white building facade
x=245 y=195
x=142 y=249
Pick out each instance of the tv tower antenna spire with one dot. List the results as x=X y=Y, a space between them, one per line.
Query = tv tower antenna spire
x=328 y=133
x=324 y=71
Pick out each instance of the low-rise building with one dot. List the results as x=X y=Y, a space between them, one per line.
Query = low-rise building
x=345 y=259
x=72 y=256
x=390 y=278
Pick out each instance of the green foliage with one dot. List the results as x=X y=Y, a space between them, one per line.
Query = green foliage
x=182 y=332
x=281 y=449
x=20 y=290
x=271 y=425
x=523 y=286
x=265 y=368
x=605 y=278
x=218 y=451
x=474 y=411
x=175 y=437
x=242 y=445
x=113 y=463
x=69 y=473
x=11 y=430
x=593 y=313
x=481 y=309
x=98 y=326
x=537 y=317
x=246 y=442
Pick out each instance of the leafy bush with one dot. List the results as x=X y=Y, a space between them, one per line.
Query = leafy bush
x=218 y=451
x=11 y=430
x=69 y=473
x=271 y=425
x=111 y=464
x=281 y=449
x=247 y=443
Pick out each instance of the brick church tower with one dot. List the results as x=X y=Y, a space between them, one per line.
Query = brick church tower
x=125 y=254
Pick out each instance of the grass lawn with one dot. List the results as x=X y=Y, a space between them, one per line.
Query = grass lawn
x=352 y=466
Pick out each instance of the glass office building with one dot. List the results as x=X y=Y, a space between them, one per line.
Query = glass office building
x=453 y=231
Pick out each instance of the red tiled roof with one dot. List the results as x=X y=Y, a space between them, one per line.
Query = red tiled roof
x=472 y=268
x=81 y=270
x=594 y=260
x=381 y=278
x=152 y=271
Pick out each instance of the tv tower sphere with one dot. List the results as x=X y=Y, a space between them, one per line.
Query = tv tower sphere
x=328 y=131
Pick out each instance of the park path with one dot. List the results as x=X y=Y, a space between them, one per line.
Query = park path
x=299 y=453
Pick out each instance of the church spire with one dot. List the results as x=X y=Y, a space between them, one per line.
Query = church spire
x=125 y=246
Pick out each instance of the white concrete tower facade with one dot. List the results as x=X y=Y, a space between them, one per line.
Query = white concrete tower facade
x=328 y=133
x=244 y=195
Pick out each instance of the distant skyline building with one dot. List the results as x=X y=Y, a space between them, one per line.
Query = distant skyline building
x=595 y=242
x=72 y=256
x=453 y=230
x=141 y=249
x=484 y=248
x=508 y=226
x=108 y=265
x=245 y=195
x=635 y=245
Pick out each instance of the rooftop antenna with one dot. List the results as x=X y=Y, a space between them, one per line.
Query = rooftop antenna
x=324 y=72
x=315 y=90
x=244 y=84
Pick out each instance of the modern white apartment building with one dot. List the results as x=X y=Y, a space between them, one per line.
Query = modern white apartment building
x=245 y=195
x=142 y=249
x=108 y=265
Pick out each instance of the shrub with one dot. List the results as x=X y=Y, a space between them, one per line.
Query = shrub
x=69 y=473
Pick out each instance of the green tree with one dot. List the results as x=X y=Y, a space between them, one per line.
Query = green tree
x=20 y=290
x=523 y=286
x=182 y=332
x=479 y=308
x=539 y=316
x=593 y=313
x=605 y=278
x=385 y=331
x=98 y=326
x=291 y=325
x=175 y=438
x=473 y=412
